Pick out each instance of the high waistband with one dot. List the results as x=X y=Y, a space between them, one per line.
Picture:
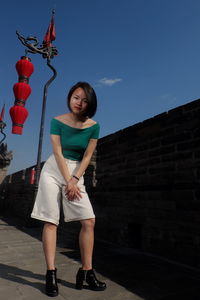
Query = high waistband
x=76 y=162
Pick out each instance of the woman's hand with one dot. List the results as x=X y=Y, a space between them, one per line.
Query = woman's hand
x=72 y=191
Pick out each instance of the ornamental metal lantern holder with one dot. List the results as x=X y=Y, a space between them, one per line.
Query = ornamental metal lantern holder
x=2 y=125
x=48 y=52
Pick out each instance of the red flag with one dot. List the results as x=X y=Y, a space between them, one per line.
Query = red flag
x=2 y=113
x=51 y=33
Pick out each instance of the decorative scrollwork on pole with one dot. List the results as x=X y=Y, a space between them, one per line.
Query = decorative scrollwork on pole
x=32 y=42
x=2 y=126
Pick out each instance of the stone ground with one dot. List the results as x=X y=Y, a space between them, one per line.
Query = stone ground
x=130 y=275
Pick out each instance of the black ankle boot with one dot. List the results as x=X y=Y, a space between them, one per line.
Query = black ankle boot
x=90 y=277
x=51 y=283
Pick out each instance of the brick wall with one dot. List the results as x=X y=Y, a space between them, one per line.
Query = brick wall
x=17 y=195
x=148 y=185
x=146 y=193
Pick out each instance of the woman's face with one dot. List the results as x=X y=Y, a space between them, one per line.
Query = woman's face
x=78 y=102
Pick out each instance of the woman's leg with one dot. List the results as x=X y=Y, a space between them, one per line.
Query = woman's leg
x=86 y=273
x=86 y=242
x=49 y=237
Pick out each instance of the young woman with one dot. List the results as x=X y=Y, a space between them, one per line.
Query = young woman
x=74 y=138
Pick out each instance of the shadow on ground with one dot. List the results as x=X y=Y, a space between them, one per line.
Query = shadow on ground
x=148 y=277
x=27 y=277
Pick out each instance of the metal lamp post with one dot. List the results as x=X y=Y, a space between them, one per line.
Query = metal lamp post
x=39 y=155
x=48 y=52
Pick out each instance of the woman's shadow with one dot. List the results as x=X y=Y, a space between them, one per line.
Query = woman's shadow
x=17 y=275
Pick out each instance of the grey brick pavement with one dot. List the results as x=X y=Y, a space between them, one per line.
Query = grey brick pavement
x=128 y=274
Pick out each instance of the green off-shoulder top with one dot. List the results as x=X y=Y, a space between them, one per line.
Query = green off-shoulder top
x=74 y=141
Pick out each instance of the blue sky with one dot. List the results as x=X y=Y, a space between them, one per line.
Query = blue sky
x=141 y=56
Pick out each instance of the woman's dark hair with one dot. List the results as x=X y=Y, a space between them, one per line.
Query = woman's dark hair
x=90 y=95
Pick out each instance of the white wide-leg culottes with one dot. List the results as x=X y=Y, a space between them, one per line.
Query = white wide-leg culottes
x=51 y=193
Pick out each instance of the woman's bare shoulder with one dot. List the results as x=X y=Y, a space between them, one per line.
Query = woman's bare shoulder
x=91 y=122
x=88 y=123
x=62 y=118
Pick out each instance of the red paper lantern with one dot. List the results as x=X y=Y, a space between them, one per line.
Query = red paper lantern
x=18 y=115
x=24 y=67
x=22 y=91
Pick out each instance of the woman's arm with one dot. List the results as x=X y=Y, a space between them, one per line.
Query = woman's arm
x=57 y=151
x=86 y=157
x=72 y=189
x=83 y=166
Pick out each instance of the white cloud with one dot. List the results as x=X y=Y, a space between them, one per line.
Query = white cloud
x=107 y=81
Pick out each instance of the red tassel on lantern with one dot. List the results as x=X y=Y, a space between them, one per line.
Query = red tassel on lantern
x=24 y=68
x=32 y=179
x=18 y=115
x=22 y=91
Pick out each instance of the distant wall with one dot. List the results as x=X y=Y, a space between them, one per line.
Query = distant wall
x=17 y=195
x=5 y=158
x=3 y=173
x=144 y=186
